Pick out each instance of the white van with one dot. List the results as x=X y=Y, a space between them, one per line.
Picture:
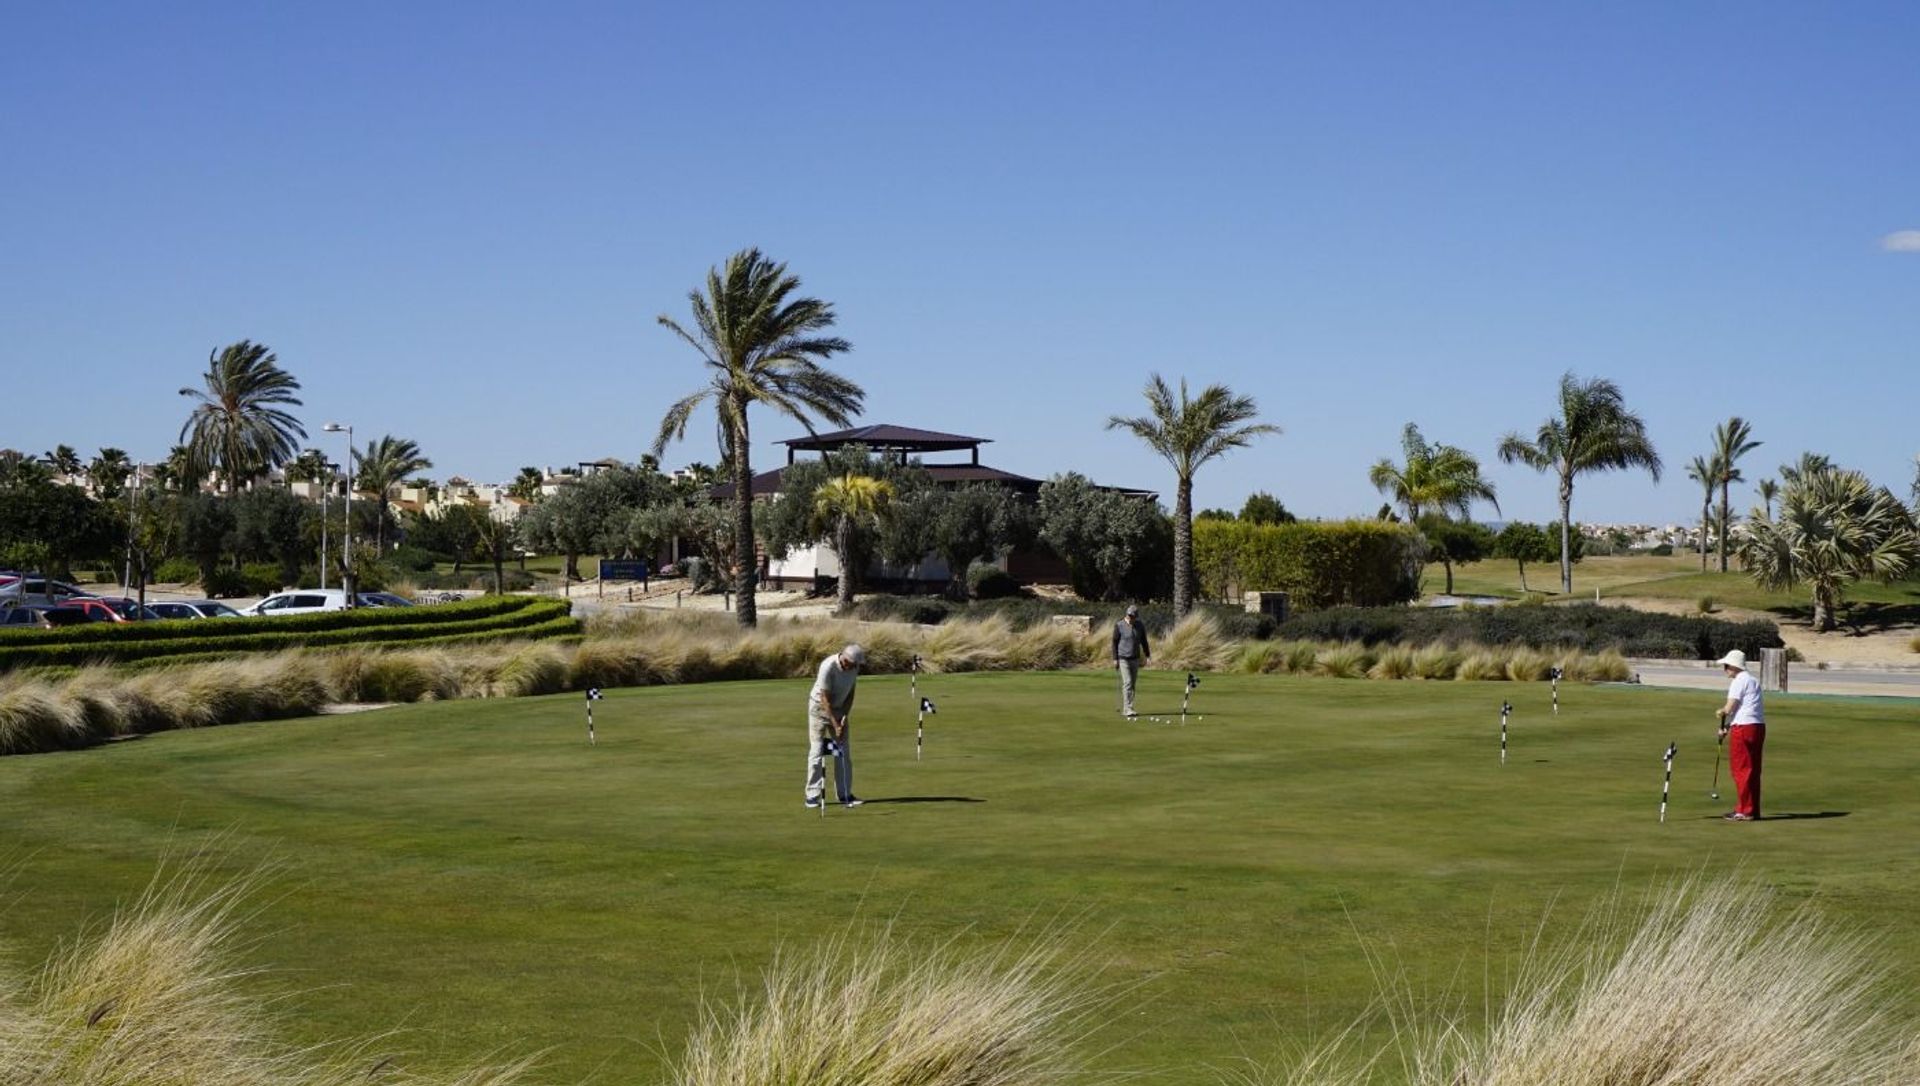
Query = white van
x=301 y=601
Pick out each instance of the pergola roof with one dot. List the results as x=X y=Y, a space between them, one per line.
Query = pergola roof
x=887 y=436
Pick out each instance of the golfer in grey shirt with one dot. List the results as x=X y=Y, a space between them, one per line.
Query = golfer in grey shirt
x=827 y=707
x=1129 y=648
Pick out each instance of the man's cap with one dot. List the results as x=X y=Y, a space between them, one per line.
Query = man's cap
x=854 y=654
x=1132 y=609
x=1736 y=658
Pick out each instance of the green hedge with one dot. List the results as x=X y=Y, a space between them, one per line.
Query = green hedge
x=564 y=630
x=1365 y=563
x=359 y=617
x=531 y=617
x=1585 y=626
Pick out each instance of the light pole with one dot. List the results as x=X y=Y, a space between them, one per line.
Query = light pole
x=346 y=546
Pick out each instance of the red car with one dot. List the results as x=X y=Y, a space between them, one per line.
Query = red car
x=112 y=609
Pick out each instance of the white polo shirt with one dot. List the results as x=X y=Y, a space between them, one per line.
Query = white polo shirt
x=834 y=681
x=1745 y=690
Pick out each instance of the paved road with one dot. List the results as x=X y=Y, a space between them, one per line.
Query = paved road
x=1854 y=682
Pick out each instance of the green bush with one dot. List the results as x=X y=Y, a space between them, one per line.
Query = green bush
x=1662 y=550
x=225 y=584
x=176 y=571
x=1320 y=564
x=262 y=578
x=413 y=559
x=1587 y=627
x=990 y=582
x=1027 y=612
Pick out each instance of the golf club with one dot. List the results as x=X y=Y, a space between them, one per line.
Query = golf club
x=1719 y=748
x=593 y=695
x=920 y=726
x=1667 y=786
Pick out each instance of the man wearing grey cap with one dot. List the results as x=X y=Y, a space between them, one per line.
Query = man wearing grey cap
x=1129 y=648
x=827 y=709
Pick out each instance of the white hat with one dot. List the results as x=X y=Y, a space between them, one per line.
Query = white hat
x=1736 y=658
x=854 y=654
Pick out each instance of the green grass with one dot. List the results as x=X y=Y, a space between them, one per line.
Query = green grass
x=477 y=875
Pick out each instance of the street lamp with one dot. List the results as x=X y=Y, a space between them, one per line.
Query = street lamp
x=346 y=547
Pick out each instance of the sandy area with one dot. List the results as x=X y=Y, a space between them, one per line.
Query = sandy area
x=1879 y=648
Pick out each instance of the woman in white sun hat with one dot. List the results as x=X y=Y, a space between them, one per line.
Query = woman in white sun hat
x=1743 y=725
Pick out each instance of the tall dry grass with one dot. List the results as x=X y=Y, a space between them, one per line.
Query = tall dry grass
x=881 y=1013
x=38 y=714
x=1702 y=984
x=156 y=998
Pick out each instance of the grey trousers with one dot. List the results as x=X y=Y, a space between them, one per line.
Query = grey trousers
x=1129 y=674
x=819 y=728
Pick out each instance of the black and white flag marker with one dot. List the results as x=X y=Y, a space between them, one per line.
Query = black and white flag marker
x=593 y=695
x=1506 y=708
x=1193 y=681
x=1667 y=785
x=920 y=725
x=1554 y=674
x=828 y=749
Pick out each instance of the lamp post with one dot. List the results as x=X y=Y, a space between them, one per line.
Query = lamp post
x=346 y=546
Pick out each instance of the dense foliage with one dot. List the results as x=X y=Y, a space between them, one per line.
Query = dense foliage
x=1587 y=627
x=1319 y=563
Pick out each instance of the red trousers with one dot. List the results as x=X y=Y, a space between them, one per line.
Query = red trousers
x=1743 y=760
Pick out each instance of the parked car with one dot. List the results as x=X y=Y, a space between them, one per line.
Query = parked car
x=303 y=601
x=117 y=609
x=70 y=616
x=193 y=609
x=382 y=599
x=23 y=618
x=37 y=590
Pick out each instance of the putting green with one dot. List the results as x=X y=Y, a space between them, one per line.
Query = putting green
x=477 y=875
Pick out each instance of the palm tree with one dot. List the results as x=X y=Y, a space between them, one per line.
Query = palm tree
x=760 y=345
x=842 y=506
x=1732 y=440
x=1594 y=432
x=1835 y=527
x=1808 y=463
x=1188 y=434
x=1436 y=478
x=237 y=424
x=385 y=463
x=1705 y=471
x=64 y=461
x=526 y=485
x=1769 y=490
x=108 y=473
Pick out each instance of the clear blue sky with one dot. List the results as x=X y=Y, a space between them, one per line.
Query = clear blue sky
x=457 y=223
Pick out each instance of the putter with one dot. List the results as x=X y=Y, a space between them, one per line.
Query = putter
x=920 y=726
x=1719 y=748
x=593 y=695
x=1667 y=786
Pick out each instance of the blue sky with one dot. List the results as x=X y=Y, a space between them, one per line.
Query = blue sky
x=457 y=223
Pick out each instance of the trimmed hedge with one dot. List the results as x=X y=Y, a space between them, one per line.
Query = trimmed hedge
x=174 y=629
x=1584 y=626
x=1364 y=563
x=1023 y=613
x=530 y=617
x=559 y=631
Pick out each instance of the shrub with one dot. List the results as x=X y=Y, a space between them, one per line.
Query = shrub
x=1662 y=550
x=176 y=571
x=1705 y=605
x=1348 y=661
x=225 y=584
x=1914 y=644
x=261 y=578
x=1584 y=626
x=1395 y=662
x=1480 y=665
x=1196 y=644
x=989 y=582
x=1320 y=564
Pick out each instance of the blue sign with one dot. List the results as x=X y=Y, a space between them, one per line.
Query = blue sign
x=621 y=569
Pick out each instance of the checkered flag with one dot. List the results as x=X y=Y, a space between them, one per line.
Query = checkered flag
x=926 y=705
x=593 y=693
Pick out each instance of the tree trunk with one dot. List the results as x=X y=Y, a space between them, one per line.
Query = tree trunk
x=743 y=558
x=573 y=566
x=1183 y=548
x=1723 y=522
x=1705 y=506
x=1824 y=605
x=843 y=548
x=1566 y=534
x=1447 y=563
x=499 y=572
x=1523 y=574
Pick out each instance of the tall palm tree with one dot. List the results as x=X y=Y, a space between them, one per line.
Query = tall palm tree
x=1705 y=471
x=381 y=468
x=108 y=473
x=1188 y=433
x=237 y=424
x=1436 y=478
x=1593 y=432
x=65 y=461
x=1835 y=527
x=842 y=506
x=1769 y=490
x=760 y=345
x=1808 y=463
x=1732 y=440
